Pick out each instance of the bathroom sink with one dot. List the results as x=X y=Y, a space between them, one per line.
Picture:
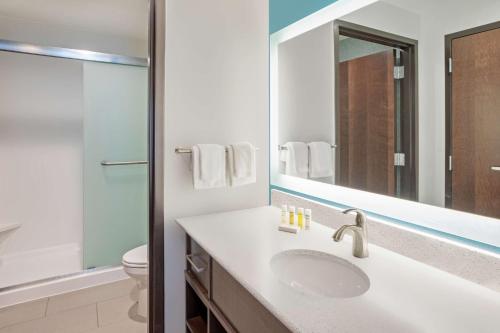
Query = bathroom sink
x=317 y=273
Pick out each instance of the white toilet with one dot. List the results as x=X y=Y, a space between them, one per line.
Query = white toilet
x=135 y=264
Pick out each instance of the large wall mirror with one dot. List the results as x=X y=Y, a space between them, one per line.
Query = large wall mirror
x=397 y=98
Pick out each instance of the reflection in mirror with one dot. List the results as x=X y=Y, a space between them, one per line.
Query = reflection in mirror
x=405 y=94
x=375 y=110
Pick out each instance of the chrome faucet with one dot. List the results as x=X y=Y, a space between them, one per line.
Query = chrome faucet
x=360 y=237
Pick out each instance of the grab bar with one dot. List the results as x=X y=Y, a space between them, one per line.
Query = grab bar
x=114 y=163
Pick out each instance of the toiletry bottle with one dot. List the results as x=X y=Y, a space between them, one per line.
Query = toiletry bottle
x=300 y=218
x=284 y=211
x=308 y=217
x=291 y=212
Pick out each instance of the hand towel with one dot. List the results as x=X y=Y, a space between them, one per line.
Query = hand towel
x=241 y=162
x=320 y=160
x=297 y=160
x=209 y=166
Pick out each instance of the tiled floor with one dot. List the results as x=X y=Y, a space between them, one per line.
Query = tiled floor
x=102 y=309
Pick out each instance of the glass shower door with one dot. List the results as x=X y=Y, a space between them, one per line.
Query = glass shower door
x=115 y=130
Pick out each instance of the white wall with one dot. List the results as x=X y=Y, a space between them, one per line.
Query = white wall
x=216 y=92
x=386 y=17
x=41 y=147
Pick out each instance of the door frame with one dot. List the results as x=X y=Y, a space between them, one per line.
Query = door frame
x=156 y=41
x=448 y=40
x=409 y=97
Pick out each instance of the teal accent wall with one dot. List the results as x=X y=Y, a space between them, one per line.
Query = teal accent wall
x=285 y=12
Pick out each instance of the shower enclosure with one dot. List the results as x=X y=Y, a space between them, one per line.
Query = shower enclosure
x=73 y=160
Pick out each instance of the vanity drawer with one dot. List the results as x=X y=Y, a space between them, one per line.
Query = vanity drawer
x=197 y=261
x=245 y=313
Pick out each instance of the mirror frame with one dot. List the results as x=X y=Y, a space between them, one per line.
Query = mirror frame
x=467 y=229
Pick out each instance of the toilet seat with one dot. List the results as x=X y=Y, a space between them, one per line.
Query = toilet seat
x=136 y=258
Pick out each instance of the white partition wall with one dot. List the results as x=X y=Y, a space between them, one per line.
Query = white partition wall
x=41 y=149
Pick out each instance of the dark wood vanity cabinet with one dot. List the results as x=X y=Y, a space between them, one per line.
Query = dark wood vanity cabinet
x=240 y=307
x=216 y=302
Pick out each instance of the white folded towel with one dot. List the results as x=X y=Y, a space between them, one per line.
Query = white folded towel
x=320 y=160
x=241 y=162
x=297 y=160
x=209 y=166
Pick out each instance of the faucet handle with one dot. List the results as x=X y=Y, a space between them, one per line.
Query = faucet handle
x=360 y=216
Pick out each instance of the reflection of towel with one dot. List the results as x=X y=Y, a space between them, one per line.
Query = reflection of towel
x=241 y=161
x=283 y=154
x=320 y=160
x=297 y=162
x=209 y=166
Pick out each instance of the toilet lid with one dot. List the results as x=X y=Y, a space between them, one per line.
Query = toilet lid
x=137 y=256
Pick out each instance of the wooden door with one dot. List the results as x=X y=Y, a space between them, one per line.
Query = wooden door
x=475 y=123
x=366 y=126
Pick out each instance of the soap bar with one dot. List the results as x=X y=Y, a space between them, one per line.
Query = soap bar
x=288 y=228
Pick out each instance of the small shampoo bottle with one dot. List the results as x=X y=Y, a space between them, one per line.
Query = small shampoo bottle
x=291 y=212
x=300 y=218
x=308 y=215
x=284 y=213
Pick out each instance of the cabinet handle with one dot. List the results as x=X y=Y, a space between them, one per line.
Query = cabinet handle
x=495 y=168
x=197 y=269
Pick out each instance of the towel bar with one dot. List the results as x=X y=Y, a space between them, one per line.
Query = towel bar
x=113 y=163
x=280 y=147
x=183 y=150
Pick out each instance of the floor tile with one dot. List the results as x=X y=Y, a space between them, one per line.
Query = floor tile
x=116 y=310
x=77 y=320
x=125 y=327
x=23 y=312
x=90 y=295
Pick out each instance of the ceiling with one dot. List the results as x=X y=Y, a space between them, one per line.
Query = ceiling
x=114 y=17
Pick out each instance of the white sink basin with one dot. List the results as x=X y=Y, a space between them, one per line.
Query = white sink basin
x=319 y=274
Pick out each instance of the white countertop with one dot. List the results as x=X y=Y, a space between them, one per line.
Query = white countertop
x=404 y=296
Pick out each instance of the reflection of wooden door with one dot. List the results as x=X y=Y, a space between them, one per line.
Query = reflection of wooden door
x=366 y=86
x=475 y=123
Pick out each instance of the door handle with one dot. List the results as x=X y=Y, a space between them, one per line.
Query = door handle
x=495 y=168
